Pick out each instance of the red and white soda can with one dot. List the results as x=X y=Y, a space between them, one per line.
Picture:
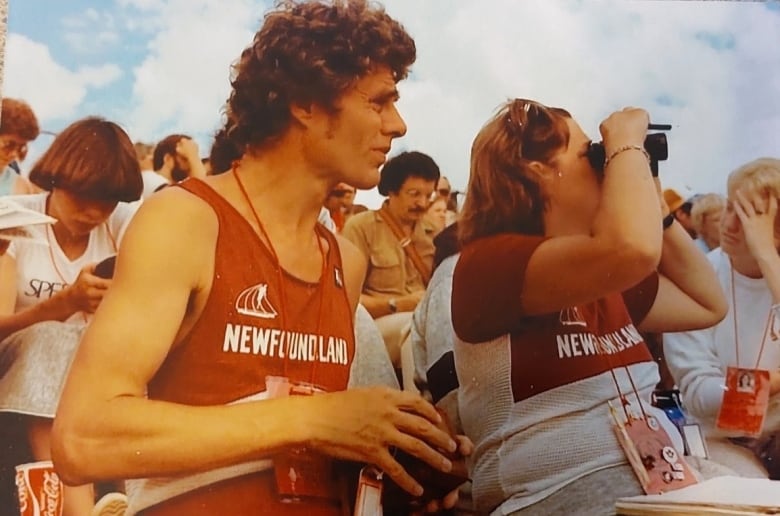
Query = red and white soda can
x=39 y=488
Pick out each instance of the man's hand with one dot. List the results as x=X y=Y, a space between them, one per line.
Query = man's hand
x=363 y=425
x=188 y=149
x=465 y=448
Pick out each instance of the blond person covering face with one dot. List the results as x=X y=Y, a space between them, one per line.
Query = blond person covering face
x=748 y=269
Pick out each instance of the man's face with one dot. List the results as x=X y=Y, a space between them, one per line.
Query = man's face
x=410 y=203
x=683 y=216
x=12 y=148
x=353 y=143
x=710 y=228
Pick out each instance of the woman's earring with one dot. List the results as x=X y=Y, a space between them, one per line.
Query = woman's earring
x=560 y=174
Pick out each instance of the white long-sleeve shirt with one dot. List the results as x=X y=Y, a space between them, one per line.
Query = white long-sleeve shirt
x=698 y=360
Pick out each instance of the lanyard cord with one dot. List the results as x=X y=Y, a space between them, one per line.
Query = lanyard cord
x=623 y=400
x=736 y=333
x=280 y=277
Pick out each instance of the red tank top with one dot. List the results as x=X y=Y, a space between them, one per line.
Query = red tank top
x=240 y=339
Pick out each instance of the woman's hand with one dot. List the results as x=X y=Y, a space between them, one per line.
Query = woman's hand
x=86 y=293
x=626 y=127
x=757 y=213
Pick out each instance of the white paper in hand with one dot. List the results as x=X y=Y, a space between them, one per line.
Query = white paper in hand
x=14 y=220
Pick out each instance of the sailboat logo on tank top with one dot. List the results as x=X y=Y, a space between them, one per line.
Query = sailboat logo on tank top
x=571 y=317
x=254 y=302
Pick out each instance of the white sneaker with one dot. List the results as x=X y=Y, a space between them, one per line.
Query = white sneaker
x=111 y=504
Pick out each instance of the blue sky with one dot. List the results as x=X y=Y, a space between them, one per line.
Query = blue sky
x=711 y=69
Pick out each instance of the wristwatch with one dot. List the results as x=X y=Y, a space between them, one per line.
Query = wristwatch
x=392 y=305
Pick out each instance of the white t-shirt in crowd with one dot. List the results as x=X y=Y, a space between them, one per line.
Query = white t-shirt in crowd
x=43 y=270
x=152 y=182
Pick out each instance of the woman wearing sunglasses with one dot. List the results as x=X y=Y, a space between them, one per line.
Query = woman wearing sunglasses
x=18 y=127
x=566 y=261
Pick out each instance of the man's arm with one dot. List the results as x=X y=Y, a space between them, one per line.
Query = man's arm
x=105 y=427
x=379 y=306
x=159 y=268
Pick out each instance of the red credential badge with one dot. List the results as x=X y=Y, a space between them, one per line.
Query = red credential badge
x=745 y=401
x=300 y=473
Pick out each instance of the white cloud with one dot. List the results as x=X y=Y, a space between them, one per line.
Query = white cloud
x=144 y=5
x=183 y=82
x=90 y=31
x=712 y=69
x=588 y=57
x=592 y=58
x=53 y=91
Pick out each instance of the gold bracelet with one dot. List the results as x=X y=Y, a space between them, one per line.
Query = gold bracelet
x=623 y=149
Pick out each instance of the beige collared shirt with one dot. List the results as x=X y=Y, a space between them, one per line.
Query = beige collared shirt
x=390 y=271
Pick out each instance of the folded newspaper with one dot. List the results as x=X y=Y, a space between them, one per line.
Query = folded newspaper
x=15 y=221
x=721 y=495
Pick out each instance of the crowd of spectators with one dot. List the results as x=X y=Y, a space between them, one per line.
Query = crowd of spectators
x=509 y=335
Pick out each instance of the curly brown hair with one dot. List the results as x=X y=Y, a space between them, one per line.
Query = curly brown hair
x=18 y=118
x=92 y=158
x=308 y=52
x=503 y=194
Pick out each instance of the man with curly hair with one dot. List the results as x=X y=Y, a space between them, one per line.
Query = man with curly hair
x=18 y=127
x=185 y=378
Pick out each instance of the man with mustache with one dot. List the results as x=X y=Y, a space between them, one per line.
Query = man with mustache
x=398 y=244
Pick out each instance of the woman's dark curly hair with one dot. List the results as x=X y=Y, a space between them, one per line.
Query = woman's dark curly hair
x=308 y=52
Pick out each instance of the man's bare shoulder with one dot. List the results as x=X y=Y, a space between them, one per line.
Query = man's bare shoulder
x=171 y=238
x=177 y=207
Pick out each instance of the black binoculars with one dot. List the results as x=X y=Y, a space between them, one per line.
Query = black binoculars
x=655 y=145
